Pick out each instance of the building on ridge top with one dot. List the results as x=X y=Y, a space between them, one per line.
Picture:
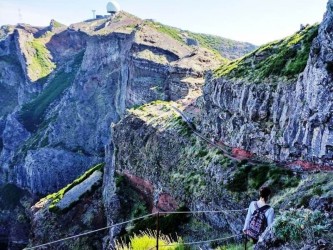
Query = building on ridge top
x=113 y=7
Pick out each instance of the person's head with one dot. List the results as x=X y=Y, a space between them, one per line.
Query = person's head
x=264 y=193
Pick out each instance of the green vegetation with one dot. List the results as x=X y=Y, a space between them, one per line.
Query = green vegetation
x=57 y=24
x=132 y=204
x=32 y=114
x=252 y=177
x=56 y=197
x=41 y=64
x=225 y=48
x=191 y=170
x=193 y=182
x=168 y=30
x=311 y=186
x=160 y=113
x=169 y=224
x=303 y=225
x=285 y=58
x=209 y=42
x=147 y=240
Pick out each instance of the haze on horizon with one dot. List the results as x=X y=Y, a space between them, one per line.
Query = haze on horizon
x=254 y=21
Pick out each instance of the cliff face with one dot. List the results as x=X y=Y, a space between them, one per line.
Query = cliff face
x=92 y=74
x=70 y=111
x=62 y=87
x=273 y=104
x=272 y=112
x=158 y=154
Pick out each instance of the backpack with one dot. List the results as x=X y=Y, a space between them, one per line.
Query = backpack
x=258 y=222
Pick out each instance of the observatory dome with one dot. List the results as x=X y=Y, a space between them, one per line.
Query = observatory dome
x=113 y=7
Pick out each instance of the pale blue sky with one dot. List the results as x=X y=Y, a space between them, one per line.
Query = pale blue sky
x=255 y=21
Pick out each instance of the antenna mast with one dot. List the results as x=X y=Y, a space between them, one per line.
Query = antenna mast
x=20 y=15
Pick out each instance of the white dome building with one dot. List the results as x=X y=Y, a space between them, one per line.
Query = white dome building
x=113 y=7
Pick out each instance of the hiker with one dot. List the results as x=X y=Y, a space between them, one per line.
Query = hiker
x=259 y=216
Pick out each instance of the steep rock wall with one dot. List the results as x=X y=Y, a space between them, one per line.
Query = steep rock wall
x=93 y=84
x=281 y=120
x=157 y=153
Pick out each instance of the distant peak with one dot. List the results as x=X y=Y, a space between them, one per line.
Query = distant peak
x=55 y=25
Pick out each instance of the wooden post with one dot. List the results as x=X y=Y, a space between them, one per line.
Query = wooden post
x=157 y=229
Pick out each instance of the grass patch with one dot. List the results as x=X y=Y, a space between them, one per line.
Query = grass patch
x=221 y=47
x=56 y=197
x=194 y=183
x=41 y=64
x=147 y=240
x=32 y=114
x=57 y=24
x=285 y=58
x=168 y=30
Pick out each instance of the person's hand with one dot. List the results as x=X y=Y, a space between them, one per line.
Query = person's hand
x=245 y=231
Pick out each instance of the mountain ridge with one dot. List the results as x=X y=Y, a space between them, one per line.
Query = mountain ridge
x=110 y=98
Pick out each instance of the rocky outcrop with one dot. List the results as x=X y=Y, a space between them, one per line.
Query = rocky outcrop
x=36 y=174
x=281 y=120
x=155 y=150
x=84 y=216
x=110 y=69
x=77 y=115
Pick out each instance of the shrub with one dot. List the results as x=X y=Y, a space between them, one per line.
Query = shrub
x=239 y=182
x=253 y=177
x=202 y=153
x=303 y=225
x=169 y=224
x=147 y=240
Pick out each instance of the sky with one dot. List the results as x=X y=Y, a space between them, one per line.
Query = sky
x=254 y=21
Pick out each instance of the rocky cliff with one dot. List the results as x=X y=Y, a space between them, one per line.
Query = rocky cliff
x=275 y=102
x=264 y=119
x=97 y=71
x=62 y=87
x=132 y=93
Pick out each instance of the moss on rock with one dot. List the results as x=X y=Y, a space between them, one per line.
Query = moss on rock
x=56 y=197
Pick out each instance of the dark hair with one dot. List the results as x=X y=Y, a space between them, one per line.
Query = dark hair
x=264 y=192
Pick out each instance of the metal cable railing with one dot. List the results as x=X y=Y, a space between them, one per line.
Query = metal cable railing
x=158 y=214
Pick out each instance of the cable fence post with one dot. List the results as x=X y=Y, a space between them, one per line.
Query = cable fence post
x=157 y=229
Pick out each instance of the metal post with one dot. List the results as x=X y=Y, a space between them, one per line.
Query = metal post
x=157 y=229
x=245 y=241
